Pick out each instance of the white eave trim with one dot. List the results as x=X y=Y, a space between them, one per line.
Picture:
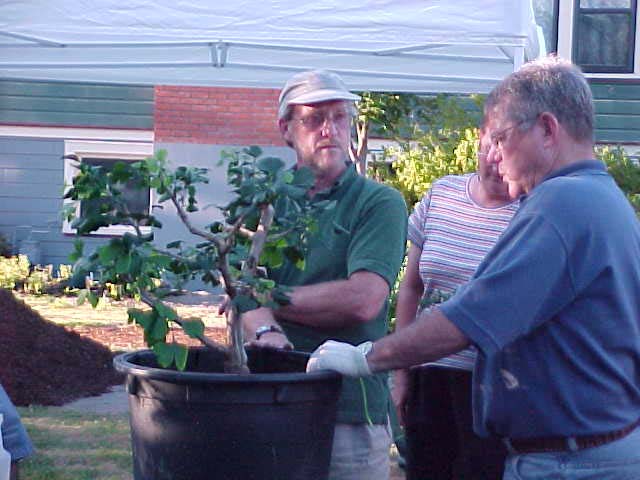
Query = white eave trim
x=71 y=133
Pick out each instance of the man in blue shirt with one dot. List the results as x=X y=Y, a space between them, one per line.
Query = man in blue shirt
x=14 y=437
x=554 y=309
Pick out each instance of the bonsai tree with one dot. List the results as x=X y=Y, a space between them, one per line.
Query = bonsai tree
x=268 y=220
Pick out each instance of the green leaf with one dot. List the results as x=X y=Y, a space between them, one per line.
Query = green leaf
x=180 y=353
x=164 y=354
x=82 y=297
x=91 y=223
x=165 y=312
x=270 y=164
x=253 y=151
x=176 y=244
x=157 y=331
x=287 y=176
x=141 y=317
x=108 y=253
x=303 y=177
x=93 y=299
x=77 y=253
x=272 y=258
x=123 y=264
x=162 y=261
x=193 y=328
x=245 y=303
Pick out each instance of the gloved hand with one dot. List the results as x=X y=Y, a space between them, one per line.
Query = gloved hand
x=341 y=357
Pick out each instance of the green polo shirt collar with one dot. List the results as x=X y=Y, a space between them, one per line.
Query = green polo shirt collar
x=345 y=178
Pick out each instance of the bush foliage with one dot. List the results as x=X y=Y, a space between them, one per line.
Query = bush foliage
x=17 y=272
x=624 y=170
x=441 y=140
x=438 y=136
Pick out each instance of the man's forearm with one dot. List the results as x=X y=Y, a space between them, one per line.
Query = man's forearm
x=430 y=337
x=337 y=304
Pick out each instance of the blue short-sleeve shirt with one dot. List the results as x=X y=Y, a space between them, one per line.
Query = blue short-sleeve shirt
x=14 y=437
x=554 y=310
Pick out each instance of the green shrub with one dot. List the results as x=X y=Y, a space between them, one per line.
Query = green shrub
x=393 y=297
x=65 y=271
x=447 y=147
x=433 y=155
x=17 y=272
x=624 y=170
x=13 y=271
x=39 y=278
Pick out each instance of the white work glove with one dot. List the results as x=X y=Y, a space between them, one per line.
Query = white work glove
x=341 y=357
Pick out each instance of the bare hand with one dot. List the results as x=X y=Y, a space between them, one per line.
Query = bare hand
x=400 y=394
x=261 y=317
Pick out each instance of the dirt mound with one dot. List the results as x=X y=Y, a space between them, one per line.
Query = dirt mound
x=43 y=363
x=130 y=337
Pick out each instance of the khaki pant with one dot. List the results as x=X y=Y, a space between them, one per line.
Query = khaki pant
x=360 y=452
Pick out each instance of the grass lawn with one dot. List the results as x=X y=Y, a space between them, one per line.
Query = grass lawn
x=81 y=446
x=64 y=310
x=75 y=446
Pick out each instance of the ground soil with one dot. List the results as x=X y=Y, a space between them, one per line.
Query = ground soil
x=44 y=363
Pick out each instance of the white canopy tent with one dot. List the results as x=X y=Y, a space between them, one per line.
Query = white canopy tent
x=452 y=46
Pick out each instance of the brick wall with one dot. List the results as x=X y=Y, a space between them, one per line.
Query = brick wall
x=216 y=115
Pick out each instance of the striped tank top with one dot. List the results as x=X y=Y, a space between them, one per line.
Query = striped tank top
x=454 y=234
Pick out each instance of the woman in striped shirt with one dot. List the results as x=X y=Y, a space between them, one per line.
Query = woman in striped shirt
x=450 y=231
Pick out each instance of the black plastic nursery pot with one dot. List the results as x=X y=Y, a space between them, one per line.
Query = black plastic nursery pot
x=275 y=423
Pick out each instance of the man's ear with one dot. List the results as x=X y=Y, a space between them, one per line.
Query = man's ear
x=550 y=126
x=283 y=125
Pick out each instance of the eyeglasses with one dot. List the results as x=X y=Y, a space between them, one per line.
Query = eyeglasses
x=499 y=137
x=313 y=121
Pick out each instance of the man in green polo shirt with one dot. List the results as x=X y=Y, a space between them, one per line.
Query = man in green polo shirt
x=352 y=263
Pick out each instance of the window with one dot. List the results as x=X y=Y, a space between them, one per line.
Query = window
x=106 y=154
x=598 y=35
x=546 y=13
x=604 y=35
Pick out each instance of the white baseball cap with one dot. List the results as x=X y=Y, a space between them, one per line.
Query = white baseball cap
x=313 y=86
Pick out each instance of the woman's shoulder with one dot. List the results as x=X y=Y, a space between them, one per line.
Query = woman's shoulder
x=451 y=184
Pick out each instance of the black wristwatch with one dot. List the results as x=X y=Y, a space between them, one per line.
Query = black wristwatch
x=266 y=329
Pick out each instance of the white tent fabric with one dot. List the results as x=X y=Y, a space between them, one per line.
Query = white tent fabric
x=387 y=45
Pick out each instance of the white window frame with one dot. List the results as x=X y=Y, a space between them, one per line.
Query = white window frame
x=566 y=11
x=129 y=151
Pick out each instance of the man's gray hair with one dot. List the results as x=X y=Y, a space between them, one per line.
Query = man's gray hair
x=549 y=84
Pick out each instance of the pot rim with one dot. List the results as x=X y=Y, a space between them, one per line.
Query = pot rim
x=123 y=363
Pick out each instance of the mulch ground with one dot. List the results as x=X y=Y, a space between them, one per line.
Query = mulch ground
x=43 y=363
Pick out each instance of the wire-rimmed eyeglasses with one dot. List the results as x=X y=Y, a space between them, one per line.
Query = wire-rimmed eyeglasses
x=498 y=138
x=313 y=121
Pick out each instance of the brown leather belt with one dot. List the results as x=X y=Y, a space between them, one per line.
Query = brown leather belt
x=560 y=444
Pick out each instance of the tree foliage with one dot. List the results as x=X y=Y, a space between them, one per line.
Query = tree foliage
x=268 y=219
x=440 y=138
x=624 y=170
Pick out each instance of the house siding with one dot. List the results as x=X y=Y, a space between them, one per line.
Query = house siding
x=617 y=106
x=32 y=181
x=76 y=104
